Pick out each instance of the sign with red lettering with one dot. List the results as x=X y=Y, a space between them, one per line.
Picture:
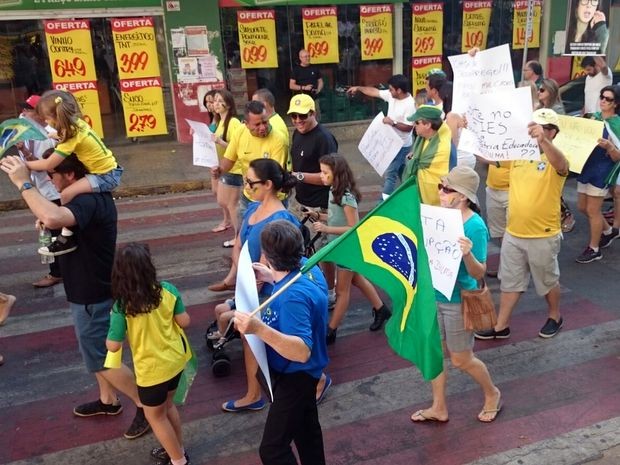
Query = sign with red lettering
x=257 y=38
x=427 y=29
x=419 y=70
x=476 y=19
x=376 y=32
x=143 y=107
x=320 y=25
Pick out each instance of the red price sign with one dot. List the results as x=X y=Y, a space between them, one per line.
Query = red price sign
x=318 y=48
x=372 y=46
x=473 y=39
x=141 y=122
x=424 y=44
x=132 y=62
x=254 y=54
x=64 y=67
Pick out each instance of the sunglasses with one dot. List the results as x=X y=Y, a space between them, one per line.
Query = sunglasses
x=541 y=90
x=607 y=99
x=299 y=116
x=252 y=183
x=445 y=189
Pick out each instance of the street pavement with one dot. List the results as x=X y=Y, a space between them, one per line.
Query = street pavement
x=561 y=396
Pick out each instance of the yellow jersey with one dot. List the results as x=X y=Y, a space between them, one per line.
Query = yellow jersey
x=498 y=177
x=89 y=149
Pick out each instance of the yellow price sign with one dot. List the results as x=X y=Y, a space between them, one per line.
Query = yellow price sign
x=143 y=107
x=257 y=38
x=420 y=66
x=87 y=97
x=320 y=25
x=576 y=71
x=376 y=32
x=519 y=26
x=476 y=19
x=427 y=29
x=70 y=50
x=135 y=47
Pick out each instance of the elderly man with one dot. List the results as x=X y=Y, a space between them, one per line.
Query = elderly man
x=533 y=235
x=533 y=72
x=306 y=77
x=433 y=154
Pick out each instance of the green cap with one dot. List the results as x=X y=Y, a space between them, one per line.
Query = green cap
x=426 y=112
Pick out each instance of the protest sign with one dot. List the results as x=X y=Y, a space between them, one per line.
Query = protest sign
x=204 y=152
x=499 y=122
x=380 y=144
x=577 y=138
x=487 y=71
x=442 y=229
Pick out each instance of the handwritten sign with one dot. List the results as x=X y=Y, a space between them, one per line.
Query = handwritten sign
x=204 y=150
x=376 y=32
x=476 y=19
x=442 y=229
x=519 y=26
x=488 y=71
x=499 y=122
x=320 y=27
x=380 y=144
x=257 y=38
x=419 y=70
x=577 y=138
x=427 y=30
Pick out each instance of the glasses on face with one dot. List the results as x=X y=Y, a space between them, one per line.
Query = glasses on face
x=607 y=99
x=541 y=90
x=299 y=116
x=591 y=2
x=251 y=183
x=445 y=189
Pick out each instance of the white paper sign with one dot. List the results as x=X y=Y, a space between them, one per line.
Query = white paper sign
x=246 y=300
x=488 y=71
x=204 y=152
x=499 y=122
x=380 y=144
x=442 y=228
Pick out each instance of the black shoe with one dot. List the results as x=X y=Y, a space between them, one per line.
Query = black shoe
x=331 y=336
x=492 y=334
x=607 y=239
x=167 y=461
x=97 y=407
x=139 y=425
x=159 y=453
x=589 y=255
x=551 y=328
x=61 y=246
x=380 y=316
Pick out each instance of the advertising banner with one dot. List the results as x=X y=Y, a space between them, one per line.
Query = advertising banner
x=72 y=65
x=519 y=25
x=321 y=34
x=587 y=27
x=376 y=32
x=427 y=30
x=143 y=107
x=73 y=4
x=476 y=20
x=420 y=68
x=257 y=38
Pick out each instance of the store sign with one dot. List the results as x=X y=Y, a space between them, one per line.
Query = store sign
x=376 y=32
x=420 y=68
x=139 y=74
x=238 y=3
x=476 y=20
x=519 y=26
x=72 y=64
x=73 y=4
x=427 y=29
x=576 y=71
x=320 y=27
x=257 y=38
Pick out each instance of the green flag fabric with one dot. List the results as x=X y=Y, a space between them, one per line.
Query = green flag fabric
x=387 y=247
x=189 y=372
x=18 y=129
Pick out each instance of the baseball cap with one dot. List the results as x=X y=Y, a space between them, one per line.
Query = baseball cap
x=31 y=102
x=544 y=116
x=426 y=112
x=301 y=103
x=464 y=180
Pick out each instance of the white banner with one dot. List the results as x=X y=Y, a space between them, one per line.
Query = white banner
x=442 y=229
x=499 y=122
x=204 y=151
x=380 y=144
x=487 y=71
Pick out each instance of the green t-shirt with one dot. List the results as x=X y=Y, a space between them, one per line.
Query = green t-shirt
x=335 y=212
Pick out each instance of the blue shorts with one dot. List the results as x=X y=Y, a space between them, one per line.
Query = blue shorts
x=105 y=182
x=92 y=323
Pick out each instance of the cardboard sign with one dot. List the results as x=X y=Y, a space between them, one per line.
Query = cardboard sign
x=380 y=144
x=577 y=138
x=204 y=150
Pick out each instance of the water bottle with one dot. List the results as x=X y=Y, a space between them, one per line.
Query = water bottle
x=45 y=239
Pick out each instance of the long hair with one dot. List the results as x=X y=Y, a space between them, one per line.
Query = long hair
x=232 y=110
x=552 y=88
x=588 y=35
x=65 y=110
x=267 y=169
x=134 y=280
x=210 y=113
x=344 y=180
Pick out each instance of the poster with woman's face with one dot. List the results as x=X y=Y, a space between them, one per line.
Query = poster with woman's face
x=587 y=26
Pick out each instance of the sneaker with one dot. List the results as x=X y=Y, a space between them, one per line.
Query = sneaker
x=139 y=425
x=589 y=255
x=167 y=461
x=492 y=334
x=97 y=408
x=330 y=338
x=607 y=239
x=551 y=328
x=380 y=316
x=61 y=246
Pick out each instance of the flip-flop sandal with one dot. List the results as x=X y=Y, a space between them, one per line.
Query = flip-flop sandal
x=496 y=410
x=220 y=228
x=228 y=244
x=420 y=413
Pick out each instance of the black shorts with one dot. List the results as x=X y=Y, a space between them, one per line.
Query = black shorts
x=154 y=396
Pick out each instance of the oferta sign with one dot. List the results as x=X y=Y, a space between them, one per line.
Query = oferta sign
x=75 y=4
x=237 y=3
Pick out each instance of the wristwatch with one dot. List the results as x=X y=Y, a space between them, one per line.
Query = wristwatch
x=299 y=176
x=25 y=186
x=394 y=123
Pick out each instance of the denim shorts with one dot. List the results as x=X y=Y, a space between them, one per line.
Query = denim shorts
x=105 y=182
x=232 y=180
x=92 y=323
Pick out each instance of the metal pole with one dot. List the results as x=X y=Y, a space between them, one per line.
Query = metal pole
x=528 y=33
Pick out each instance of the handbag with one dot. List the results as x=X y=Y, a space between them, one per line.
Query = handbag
x=478 y=308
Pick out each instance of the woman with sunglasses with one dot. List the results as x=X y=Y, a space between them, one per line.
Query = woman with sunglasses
x=594 y=180
x=458 y=190
x=549 y=96
x=587 y=25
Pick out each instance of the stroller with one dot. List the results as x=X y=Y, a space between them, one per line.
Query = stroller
x=216 y=342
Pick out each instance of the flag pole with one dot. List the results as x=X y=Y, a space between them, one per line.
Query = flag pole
x=528 y=32
x=273 y=296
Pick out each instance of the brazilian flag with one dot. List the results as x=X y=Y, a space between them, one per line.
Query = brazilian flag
x=16 y=130
x=387 y=247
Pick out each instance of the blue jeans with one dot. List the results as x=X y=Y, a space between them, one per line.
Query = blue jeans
x=394 y=171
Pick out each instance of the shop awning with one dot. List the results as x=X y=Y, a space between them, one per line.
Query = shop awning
x=242 y=3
